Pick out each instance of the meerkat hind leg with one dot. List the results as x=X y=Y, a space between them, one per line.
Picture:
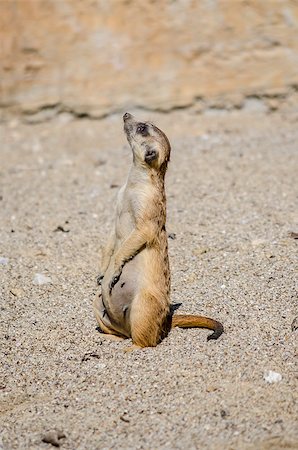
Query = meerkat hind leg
x=106 y=331
x=146 y=320
x=132 y=348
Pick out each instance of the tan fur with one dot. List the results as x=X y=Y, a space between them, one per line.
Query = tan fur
x=135 y=273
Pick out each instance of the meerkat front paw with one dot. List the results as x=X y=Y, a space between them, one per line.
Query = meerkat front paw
x=115 y=279
x=99 y=279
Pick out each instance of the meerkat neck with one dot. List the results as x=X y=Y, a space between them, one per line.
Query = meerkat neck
x=138 y=174
x=141 y=174
x=157 y=179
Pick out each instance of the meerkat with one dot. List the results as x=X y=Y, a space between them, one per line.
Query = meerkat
x=135 y=274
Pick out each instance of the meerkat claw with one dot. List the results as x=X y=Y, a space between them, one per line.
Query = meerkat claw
x=114 y=281
x=99 y=279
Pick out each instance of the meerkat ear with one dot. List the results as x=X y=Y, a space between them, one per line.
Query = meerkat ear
x=150 y=154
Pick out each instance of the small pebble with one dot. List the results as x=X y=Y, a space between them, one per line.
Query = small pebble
x=294 y=324
x=211 y=388
x=293 y=235
x=40 y=279
x=200 y=250
x=3 y=261
x=124 y=419
x=51 y=438
x=16 y=292
x=272 y=377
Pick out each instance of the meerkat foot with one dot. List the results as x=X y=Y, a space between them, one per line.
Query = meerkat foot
x=132 y=348
x=112 y=337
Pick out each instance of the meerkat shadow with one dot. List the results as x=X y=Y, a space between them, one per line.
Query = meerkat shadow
x=97 y=328
x=174 y=307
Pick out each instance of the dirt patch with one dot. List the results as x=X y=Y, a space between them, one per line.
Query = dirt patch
x=232 y=204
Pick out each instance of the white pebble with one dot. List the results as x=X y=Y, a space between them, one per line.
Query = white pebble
x=272 y=377
x=205 y=137
x=39 y=279
x=101 y=366
x=3 y=261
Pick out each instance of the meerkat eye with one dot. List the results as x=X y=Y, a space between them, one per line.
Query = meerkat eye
x=142 y=129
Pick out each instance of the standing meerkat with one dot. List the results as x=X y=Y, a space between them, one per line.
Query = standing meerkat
x=135 y=274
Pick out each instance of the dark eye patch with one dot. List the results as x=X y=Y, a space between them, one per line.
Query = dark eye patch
x=150 y=155
x=142 y=129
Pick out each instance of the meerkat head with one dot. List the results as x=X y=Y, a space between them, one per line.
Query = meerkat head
x=150 y=146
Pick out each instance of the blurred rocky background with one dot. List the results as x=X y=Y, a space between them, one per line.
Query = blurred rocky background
x=96 y=57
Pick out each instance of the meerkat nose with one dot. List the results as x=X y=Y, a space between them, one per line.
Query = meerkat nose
x=127 y=116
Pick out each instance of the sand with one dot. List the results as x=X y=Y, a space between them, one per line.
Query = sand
x=232 y=204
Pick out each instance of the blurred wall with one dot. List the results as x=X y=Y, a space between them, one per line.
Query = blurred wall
x=98 y=56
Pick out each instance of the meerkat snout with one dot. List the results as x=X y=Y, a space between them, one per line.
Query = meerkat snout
x=127 y=116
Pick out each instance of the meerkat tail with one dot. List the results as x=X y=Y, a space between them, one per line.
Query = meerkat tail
x=190 y=321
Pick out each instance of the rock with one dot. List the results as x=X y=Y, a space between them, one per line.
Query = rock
x=211 y=388
x=273 y=103
x=198 y=251
x=272 y=377
x=253 y=104
x=16 y=292
x=191 y=278
x=95 y=59
x=40 y=279
x=294 y=324
x=124 y=419
x=61 y=228
x=293 y=235
x=51 y=438
x=3 y=261
x=89 y=355
x=223 y=413
x=258 y=243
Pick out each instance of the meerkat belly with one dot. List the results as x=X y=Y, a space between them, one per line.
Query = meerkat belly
x=118 y=303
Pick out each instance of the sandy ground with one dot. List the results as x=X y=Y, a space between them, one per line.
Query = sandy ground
x=232 y=202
